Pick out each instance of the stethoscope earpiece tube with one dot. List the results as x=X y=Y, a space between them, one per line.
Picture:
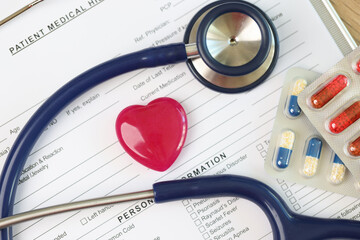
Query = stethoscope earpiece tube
x=27 y=138
x=284 y=223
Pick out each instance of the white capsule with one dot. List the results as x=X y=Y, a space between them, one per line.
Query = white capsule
x=337 y=171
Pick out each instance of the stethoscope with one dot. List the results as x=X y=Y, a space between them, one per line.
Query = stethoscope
x=230 y=47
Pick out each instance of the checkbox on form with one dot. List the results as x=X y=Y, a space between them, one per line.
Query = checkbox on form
x=185 y=202
x=189 y=209
x=83 y=221
x=206 y=235
x=259 y=147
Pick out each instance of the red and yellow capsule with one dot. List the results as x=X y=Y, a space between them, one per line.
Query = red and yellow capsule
x=345 y=119
x=329 y=91
x=354 y=147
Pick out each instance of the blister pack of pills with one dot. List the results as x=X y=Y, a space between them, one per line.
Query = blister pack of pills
x=332 y=104
x=297 y=152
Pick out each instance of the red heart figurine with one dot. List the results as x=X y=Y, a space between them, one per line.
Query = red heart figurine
x=153 y=134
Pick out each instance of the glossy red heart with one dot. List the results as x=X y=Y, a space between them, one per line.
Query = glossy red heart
x=153 y=134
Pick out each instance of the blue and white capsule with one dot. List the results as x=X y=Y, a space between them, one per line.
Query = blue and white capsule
x=285 y=149
x=293 y=107
x=312 y=157
x=338 y=171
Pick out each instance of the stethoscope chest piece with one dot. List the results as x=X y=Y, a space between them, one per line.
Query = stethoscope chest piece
x=237 y=46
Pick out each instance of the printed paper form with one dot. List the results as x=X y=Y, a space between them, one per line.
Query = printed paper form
x=78 y=157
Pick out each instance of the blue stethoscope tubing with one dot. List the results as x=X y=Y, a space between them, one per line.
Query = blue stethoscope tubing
x=282 y=221
x=285 y=224
x=50 y=108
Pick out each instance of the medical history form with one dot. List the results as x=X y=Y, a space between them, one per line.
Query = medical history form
x=78 y=156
